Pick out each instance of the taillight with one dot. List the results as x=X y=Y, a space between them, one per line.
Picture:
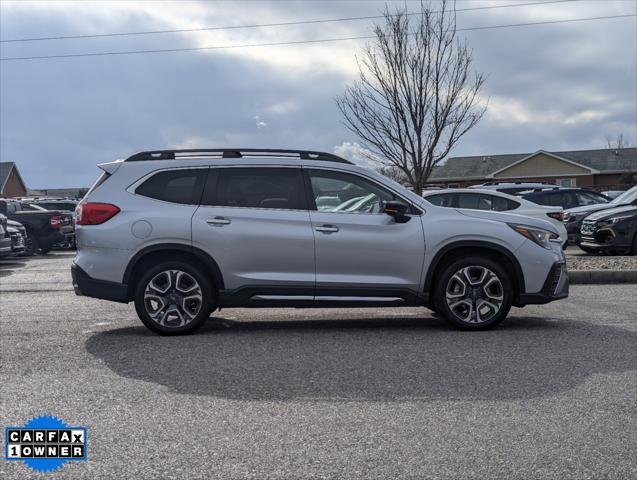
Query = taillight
x=55 y=221
x=94 y=213
x=556 y=215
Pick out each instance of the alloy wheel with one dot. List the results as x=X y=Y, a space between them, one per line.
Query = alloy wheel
x=173 y=298
x=474 y=294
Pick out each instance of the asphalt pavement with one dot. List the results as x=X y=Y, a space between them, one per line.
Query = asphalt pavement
x=333 y=393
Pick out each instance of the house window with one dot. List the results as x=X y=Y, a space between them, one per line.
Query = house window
x=566 y=182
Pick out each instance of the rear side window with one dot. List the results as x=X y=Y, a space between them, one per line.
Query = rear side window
x=176 y=186
x=474 y=201
x=276 y=188
x=442 y=200
x=504 y=204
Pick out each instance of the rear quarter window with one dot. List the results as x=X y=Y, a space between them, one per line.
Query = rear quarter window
x=182 y=186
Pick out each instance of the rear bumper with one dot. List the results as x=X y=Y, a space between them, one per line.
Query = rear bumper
x=555 y=287
x=86 y=286
x=48 y=240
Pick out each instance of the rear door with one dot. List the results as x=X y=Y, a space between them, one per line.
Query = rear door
x=359 y=249
x=254 y=222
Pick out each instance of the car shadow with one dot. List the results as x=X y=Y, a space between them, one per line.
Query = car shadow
x=383 y=359
x=7 y=266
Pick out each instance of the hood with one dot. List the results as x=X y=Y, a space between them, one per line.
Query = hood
x=14 y=224
x=589 y=208
x=612 y=212
x=510 y=218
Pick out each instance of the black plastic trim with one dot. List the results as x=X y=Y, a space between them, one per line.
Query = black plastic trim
x=200 y=254
x=85 y=285
x=242 y=297
x=474 y=244
x=545 y=295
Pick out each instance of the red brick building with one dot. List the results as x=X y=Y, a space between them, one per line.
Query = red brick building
x=11 y=183
x=606 y=169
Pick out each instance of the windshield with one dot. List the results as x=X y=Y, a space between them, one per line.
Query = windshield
x=627 y=197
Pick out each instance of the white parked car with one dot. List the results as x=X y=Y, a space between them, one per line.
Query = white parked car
x=499 y=202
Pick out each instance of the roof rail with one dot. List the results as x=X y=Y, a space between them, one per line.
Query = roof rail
x=234 y=153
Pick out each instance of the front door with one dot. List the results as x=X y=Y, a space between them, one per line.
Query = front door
x=360 y=249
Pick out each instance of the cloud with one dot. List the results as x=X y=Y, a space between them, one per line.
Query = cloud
x=554 y=87
x=259 y=123
x=354 y=152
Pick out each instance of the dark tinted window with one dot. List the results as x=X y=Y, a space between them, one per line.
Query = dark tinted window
x=280 y=188
x=441 y=200
x=176 y=186
x=555 y=199
x=474 y=201
x=512 y=190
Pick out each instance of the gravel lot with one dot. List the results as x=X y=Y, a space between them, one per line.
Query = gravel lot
x=347 y=393
x=578 y=260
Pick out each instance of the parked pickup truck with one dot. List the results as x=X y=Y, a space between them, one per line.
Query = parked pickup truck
x=44 y=227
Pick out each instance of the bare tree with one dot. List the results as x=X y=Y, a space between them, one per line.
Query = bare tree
x=417 y=93
x=616 y=143
x=394 y=173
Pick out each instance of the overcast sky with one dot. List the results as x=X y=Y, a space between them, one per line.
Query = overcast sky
x=554 y=87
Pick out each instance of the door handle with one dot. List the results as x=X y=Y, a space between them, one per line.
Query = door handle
x=327 y=228
x=218 y=221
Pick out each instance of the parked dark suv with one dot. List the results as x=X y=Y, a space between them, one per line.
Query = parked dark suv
x=573 y=217
x=564 y=197
x=612 y=231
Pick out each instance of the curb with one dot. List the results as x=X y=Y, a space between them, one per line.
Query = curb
x=582 y=277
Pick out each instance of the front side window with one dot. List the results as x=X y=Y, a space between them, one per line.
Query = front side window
x=247 y=187
x=347 y=193
x=176 y=186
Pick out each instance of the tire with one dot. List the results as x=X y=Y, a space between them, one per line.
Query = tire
x=486 y=304
x=31 y=245
x=634 y=249
x=166 y=311
x=44 y=251
x=587 y=249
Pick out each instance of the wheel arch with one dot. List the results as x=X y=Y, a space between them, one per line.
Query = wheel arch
x=165 y=251
x=473 y=247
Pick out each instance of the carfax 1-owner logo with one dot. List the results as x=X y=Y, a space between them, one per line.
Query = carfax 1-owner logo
x=45 y=443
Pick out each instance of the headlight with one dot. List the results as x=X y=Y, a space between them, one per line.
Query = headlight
x=536 y=235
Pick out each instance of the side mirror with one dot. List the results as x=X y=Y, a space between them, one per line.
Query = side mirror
x=398 y=210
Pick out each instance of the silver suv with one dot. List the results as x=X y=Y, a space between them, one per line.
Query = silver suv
x=184 y=232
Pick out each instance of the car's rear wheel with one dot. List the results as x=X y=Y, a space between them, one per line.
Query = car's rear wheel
x=474 y=293
x=174 y=298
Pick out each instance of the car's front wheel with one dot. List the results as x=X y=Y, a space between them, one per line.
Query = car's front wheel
x=474 y=293
x=173 y=298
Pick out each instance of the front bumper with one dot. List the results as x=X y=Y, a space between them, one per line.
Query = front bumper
x=573 y=232
x=84 y=285
x=606 y=237
x=17 y=243
x=555 y=287
x=5 y=247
